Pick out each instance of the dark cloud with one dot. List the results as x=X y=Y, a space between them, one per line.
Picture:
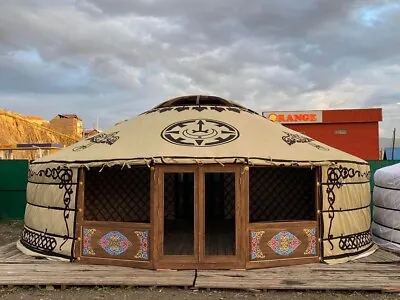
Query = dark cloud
x=114 y=59
x=383 y=97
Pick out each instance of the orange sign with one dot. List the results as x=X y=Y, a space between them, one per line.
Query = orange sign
x=295 y=117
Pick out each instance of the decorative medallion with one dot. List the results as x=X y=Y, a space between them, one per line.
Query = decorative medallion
x=256 y=252
x=312 y=241
x=284 y=243
x=101 y=138
x=143 y=237
x=200 y=133
x=87 y=240
x=114 y=243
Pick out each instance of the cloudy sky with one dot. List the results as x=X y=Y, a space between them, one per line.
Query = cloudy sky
x=113 y=59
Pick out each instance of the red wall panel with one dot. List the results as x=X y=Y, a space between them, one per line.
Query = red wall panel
x=361 y=139
x=365 y=115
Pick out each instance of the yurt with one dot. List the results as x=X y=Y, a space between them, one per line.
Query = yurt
x=198 y=182
x=386 y=208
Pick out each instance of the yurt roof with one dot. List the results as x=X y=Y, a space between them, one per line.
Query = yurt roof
x=198 y=129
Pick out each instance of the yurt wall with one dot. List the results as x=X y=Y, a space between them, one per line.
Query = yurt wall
x=283 y=205
x=50 y=211
x=346 y=218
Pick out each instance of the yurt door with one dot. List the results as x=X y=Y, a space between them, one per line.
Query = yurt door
x=176 y=241
x=196 y=219
x=221 y=217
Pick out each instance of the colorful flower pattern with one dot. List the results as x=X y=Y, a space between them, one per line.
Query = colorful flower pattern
x=312 y=241
x=143 y=237
x=87 y=240
x=256 y=252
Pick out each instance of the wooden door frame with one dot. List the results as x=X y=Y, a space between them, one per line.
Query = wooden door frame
x=160 y=260
x=198 y=260
x=223 y=261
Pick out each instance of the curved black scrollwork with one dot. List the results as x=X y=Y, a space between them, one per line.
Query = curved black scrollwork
x=63 y=175
x=293 y=138
x=101 y=138
x=335 y=177
x=355 y=241
x=40 y=241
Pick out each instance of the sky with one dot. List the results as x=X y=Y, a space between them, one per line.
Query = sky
x=114 y=59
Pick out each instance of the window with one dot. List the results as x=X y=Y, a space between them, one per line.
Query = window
x=118 y=195
x=341 y=131
x=282 y=194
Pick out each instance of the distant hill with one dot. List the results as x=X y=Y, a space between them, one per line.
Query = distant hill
x=15 y=129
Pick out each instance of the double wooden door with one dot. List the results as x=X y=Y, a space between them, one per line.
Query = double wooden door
x=199 y=217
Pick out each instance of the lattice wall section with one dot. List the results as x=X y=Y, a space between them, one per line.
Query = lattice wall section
x=279 y=194
x=229 y=195
x=117 y=195
x=178 y=195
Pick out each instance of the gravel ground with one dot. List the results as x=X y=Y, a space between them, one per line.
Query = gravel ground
x=11 y=230
x=178 y=294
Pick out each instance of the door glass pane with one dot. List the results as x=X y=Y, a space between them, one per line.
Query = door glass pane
x=219 y=198
x=178 y=214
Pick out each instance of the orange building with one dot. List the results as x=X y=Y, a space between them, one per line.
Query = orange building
x=69 y=124
x=355 y=131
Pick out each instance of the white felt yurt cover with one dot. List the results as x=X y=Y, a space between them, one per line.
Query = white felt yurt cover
x=220 y=132
x=386 y=213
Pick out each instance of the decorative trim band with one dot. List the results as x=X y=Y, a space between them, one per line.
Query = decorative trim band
x=49 y=233
x=348 y=254
x=53 y=254
x=162 y=158
x=344 y=236
x=201 y=108
x=355 y=241
x=38 y=241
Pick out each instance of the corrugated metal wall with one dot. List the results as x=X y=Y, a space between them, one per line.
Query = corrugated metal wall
x=13 y=181
x=359 y=139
